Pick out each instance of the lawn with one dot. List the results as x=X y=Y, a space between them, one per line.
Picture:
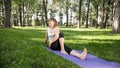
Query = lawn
x=24 y=47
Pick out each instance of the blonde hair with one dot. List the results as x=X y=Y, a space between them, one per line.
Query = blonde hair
x=55 y=21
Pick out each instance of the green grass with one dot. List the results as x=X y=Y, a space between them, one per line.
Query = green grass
x=24 y=47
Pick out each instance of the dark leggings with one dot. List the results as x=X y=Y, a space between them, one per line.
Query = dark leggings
x=56 y=45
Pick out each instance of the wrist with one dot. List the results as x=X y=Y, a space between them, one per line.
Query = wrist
x=50 y=43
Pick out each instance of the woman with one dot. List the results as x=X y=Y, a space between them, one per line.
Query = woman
x=56 y=41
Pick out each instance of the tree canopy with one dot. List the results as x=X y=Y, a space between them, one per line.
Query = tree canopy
x=69 y=13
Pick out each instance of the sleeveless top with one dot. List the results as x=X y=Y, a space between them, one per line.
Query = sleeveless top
x=51 y=34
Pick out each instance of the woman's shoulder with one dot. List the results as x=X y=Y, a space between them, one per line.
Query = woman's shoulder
x=56 y=28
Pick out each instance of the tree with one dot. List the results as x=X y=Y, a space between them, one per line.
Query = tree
x=116 y=20
x=102 y=13
x=96 y=4
x=19 y=4
x=59 y=9
x=96 y=24
x=87 y=17
x=20 y=15
x=80 y=5
x=24 y=9
x=67 y=8
x=75 y=10
x=7 y=23
x=107 y=13
x=2 y=13
x=45 y=9
x=83 y=11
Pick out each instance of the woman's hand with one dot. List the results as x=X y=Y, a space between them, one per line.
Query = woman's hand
x=49 y=45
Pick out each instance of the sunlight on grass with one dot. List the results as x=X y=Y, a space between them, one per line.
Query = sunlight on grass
x=97 y=37
x=23 y=47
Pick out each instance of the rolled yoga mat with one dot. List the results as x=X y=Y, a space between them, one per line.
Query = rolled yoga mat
x=90 y=62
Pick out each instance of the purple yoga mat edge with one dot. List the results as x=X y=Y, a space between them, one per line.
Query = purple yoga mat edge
x=90 y=62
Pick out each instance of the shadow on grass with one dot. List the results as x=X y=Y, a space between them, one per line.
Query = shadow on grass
x=21 y=47
x=88 y=32
x=25 y=49
x=105 y=48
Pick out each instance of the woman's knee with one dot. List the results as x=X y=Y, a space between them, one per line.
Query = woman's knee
x=55 y=45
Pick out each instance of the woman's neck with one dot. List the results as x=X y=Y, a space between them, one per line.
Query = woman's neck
x=52 y=27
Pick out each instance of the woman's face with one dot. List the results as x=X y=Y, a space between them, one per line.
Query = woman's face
x=51 y=24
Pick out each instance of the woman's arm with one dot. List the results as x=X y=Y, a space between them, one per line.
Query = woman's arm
x=57 y=31
x=46 y=37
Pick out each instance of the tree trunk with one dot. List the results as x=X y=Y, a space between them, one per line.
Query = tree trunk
x=60 y=14
x=7 y=23
x=23 y=14
x=112 y=3
x=28 y=18
x=20 y=15
x=3 y=13
x=116 y=20
x=67 y=16
x=45 y=9
x=103 y=14
x=87 y=14
x=15 y=19
x=71 y=17
x=80 y=5
x=96 y=24
x=106 y=21
x=107 y=13
x=42 y=17
x=67 y=13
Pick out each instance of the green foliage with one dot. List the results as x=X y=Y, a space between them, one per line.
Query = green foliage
x=32 y=7
x=1 y=18
x=36 y=22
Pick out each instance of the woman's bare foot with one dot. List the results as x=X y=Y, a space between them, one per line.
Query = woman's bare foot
x=64 y=52
x=83 y=54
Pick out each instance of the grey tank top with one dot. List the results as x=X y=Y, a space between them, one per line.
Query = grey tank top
x=51 y=34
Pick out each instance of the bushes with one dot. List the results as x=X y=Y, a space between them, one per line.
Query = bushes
x=36 y=22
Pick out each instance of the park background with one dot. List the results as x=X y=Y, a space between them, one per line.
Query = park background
x=94 y=24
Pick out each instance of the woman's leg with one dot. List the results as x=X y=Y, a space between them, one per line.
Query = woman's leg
x=64 y=48
x=61 y=40
x=55 y=45
x=81 y=56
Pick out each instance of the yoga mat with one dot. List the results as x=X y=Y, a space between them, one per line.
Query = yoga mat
x=90 y=62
